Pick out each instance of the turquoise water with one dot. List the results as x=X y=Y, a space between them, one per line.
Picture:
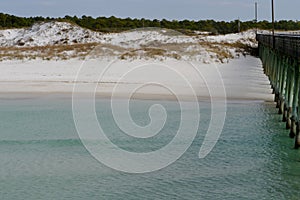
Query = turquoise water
x=41 y=156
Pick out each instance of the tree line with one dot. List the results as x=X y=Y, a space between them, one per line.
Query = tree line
x=114 y=24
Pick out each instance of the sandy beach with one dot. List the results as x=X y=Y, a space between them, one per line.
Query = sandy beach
x=243 y=78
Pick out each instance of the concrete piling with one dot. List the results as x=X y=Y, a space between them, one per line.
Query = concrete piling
x=297 y=137
x=284 y=115
x=281 y=62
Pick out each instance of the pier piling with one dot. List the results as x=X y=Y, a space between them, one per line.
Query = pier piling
x=280 y=55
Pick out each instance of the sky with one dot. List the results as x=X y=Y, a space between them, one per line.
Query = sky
x=220 y=10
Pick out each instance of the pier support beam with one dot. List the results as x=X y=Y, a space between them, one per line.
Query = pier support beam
x=281 y=105
x=297 y=138
x=294 y=118
x=284 y=116
x=281 y=84
x=290 y=91
x=288 y=119
x=293 y=128
x=284 y=90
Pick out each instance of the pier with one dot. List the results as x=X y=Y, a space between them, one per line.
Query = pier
x=280 y=55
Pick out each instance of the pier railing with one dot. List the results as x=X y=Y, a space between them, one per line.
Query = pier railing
x=280 y=55
x=285 y=44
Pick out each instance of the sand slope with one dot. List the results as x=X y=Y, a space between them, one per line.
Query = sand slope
x=243 y=78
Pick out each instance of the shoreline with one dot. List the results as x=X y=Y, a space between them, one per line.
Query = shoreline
x=5 y=96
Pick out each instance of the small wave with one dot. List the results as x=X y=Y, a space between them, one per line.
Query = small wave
x=51 y=142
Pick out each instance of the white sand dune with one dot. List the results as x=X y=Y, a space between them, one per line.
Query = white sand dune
x=33 y=42
x=53 y=33
x=160 y=77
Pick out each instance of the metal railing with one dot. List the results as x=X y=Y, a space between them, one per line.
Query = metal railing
x=285 y=44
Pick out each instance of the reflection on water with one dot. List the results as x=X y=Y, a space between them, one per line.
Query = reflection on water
x=42 y=157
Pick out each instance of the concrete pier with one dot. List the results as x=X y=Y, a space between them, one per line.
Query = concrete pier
x=280 y=55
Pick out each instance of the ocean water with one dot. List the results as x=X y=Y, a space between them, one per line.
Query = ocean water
x=41 y=156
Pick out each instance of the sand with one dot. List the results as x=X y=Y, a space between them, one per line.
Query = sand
x=243 y=79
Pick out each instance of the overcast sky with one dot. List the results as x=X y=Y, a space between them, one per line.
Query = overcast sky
x=226 y=10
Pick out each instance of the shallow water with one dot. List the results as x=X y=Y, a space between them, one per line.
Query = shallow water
x=41 y=156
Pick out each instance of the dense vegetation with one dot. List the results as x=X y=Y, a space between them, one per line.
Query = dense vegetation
x=113 y=24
